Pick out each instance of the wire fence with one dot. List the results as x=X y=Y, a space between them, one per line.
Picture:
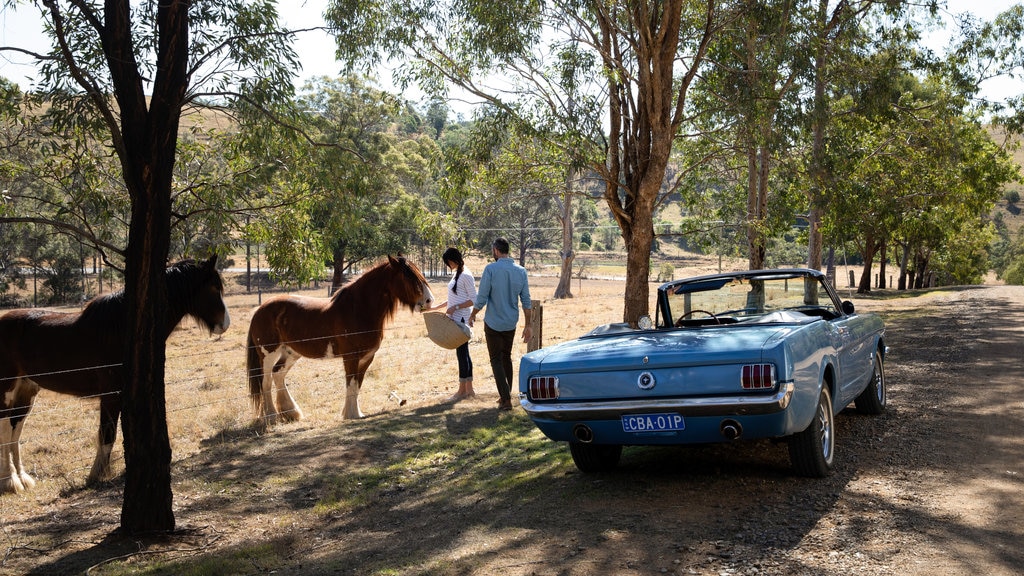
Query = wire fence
x=207 y=390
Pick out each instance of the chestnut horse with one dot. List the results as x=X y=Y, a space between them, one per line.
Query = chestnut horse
x=81 y=354
x=349 y=324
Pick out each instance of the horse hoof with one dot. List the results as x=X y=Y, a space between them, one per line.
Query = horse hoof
x=11 y=485
x=291 y=415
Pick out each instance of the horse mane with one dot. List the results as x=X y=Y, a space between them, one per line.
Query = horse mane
x=107 y=308
x=367 y=288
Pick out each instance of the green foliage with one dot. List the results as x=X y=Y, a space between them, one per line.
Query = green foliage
x=348 y=187
x=921 y=175
x=963 y=258
x=1012 y=196
x=63 y=276
x=586 y=240
x=293 y=247
x=1014 y=273
x=1008 y=256
x=666 y=273
x=10 y=99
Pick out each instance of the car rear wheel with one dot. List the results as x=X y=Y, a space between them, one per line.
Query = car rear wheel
x=812 y=450
x=595 y=457
x=873 y=399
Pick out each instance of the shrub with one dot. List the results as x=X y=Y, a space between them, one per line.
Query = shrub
x=1015 y=272
x=666 y=272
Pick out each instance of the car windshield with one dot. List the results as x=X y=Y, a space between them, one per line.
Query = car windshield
x=740 y=297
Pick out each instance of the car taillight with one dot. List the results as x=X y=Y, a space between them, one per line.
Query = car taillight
x=544 y=387
x=758 y=376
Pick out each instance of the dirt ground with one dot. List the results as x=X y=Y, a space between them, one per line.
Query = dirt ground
x=935 y=486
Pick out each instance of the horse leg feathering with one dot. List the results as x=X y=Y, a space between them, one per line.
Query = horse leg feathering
x=267 y=371
x=13 y=477
x=287 y=409
x=110 y=411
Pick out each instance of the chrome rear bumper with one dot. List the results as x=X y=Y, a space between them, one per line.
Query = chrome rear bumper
x=613 y=409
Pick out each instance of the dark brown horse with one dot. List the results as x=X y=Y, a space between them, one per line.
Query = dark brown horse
x=81 y=354
x=349 y=325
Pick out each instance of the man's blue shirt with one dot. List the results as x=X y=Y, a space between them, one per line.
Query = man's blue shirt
x=501 y=285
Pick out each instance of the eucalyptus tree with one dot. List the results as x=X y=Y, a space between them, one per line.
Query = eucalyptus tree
x=633 y=64
x=522 y=191
x=124 y=72
x=765 y=103
x=511 y=171
x=921 y=174
x=985 y=51
x=848 y=42
x=358 y=174
x=748 y=103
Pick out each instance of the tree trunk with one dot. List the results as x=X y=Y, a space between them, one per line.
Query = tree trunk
x=567 y=255
x=146 y=141
x=881 y=266
x=148 y=500
x=921 y=270
x=337 y=270
x=638 y=265
x=564 y=288
x=814 y=244
x=642 y=123
x=757 y=205
x=904 y=264
x=870 y=248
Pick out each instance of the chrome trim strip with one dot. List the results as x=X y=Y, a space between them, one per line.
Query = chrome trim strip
x=614 y=409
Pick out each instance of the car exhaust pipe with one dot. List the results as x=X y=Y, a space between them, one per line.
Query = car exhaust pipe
x=583 y=433
x=731 y=429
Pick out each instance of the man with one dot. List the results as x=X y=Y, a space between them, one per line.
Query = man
x=502 y=283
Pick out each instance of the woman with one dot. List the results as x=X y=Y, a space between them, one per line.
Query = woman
x=461 y=293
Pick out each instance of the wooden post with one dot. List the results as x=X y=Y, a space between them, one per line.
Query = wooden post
x=536 y=326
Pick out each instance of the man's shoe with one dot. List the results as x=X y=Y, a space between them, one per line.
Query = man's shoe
x=504 y=404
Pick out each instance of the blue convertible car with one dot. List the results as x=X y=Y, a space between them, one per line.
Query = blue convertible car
x=755 y=354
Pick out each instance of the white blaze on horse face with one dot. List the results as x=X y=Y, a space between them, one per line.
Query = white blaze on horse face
x=426 y=298
x=223 y=326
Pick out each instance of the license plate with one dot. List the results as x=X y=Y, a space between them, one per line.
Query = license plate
x=652 y=423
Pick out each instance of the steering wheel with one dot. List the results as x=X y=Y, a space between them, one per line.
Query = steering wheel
x=692 y=312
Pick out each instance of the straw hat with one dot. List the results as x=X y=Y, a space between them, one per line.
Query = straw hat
x=444 y=331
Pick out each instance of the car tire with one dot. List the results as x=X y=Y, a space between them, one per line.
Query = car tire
x=873 y=399
x=813 y=450
x=595 y=457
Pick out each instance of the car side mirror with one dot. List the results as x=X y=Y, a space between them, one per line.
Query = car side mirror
x=848 y=307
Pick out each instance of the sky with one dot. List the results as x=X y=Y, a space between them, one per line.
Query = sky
x=22 y=28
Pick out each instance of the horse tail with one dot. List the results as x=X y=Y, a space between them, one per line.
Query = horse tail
x=255 y=371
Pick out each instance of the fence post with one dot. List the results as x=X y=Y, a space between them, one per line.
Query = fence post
x=536 y=326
